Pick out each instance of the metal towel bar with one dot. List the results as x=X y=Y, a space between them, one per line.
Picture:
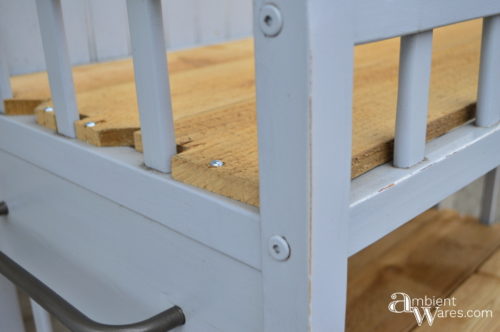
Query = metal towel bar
x=71 y=317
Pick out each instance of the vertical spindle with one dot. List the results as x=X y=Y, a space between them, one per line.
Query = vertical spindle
x=41 y=318
x=5 y=88
x=58 y=65
x=488 y=97
x=10 y=311
x=152 y=83
x=413 y=98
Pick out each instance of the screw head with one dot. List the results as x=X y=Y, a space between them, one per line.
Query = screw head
x=270 y=20
x=279 y=249
x=216 y=163
x=48 y=109
x=4 y=209
x=90 y=124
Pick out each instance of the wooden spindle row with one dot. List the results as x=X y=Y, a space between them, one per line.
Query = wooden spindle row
x=413 y=91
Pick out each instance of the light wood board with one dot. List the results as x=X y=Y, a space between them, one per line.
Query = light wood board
x=114 y=108
x=481 y=291
x=31 y=89
x=435 y=255
x=452 y=96
x=214 y=107
x=492 y=266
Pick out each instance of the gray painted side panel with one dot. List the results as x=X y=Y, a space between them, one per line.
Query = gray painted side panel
x=115 y=265
x=118 y=174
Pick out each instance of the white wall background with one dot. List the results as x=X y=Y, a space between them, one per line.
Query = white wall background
x=97 y=30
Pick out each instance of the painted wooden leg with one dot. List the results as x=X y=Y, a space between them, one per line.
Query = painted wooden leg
x=10 y=311
x=41 y=318
x=489 y=202
x=305 y=129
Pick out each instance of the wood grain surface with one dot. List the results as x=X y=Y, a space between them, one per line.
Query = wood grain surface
x=481 y=291
x=452 y=97
x=435 y=254
x=213 y=96
x=34 y=88
x=492 y=266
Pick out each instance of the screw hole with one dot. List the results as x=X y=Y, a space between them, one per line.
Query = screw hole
x=276 y=249
x=268 y=20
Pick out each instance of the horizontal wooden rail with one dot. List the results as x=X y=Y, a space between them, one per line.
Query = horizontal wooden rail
x=153 y=193
x=382 y=19
x=387 y=197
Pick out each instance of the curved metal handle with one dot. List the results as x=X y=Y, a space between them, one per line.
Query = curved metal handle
x=74 y=319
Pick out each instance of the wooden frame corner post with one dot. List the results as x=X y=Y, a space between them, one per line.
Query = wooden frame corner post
x=304 y=68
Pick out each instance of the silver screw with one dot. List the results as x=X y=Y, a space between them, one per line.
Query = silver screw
x=270 y=20
x=48 y=109
x=90 y=124
x=216 y=163
x=279 y=249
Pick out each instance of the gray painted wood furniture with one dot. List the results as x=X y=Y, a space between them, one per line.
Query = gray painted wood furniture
x=122 y=242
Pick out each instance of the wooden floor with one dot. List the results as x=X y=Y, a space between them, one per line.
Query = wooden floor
x=437 y=254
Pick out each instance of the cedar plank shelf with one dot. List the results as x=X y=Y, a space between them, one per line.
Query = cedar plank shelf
x=439 y=253
x=213 y=97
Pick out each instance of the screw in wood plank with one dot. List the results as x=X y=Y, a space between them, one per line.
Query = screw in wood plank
x=48 y=109
x=216 y=163
x=279 y=249
x=270 y=20
x=4 y=210
x=90 y=124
